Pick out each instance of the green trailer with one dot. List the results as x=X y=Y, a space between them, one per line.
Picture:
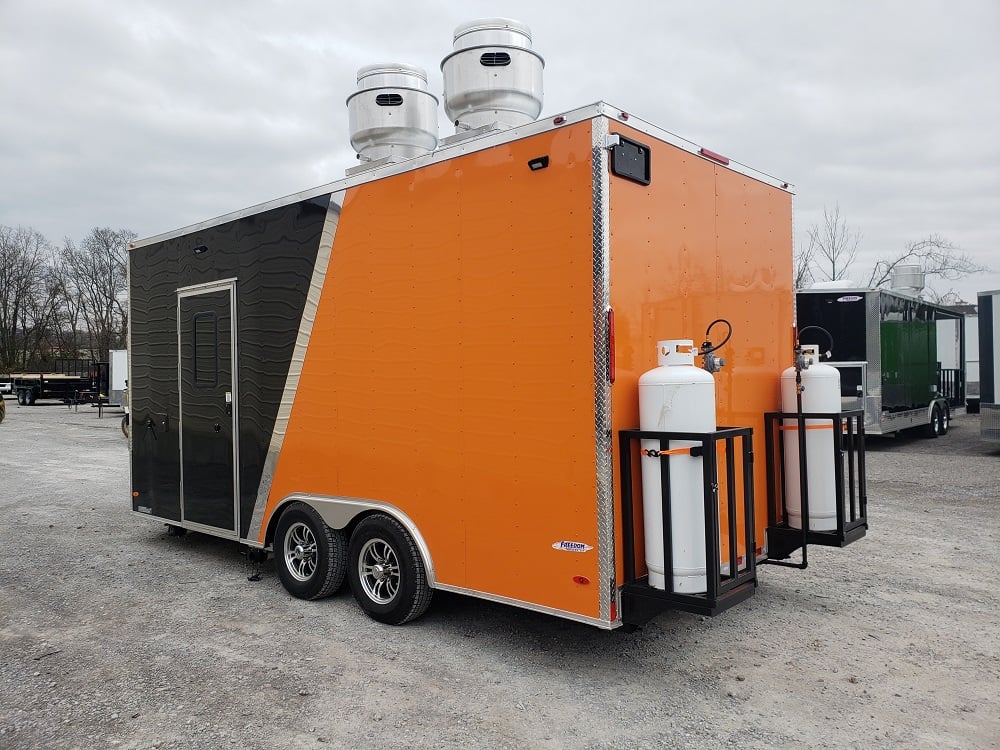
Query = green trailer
x=889 y=347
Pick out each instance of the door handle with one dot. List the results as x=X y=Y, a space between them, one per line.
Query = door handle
x=217 y=427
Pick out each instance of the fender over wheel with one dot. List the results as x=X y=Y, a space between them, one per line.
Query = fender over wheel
x=387 y=572
x=311 y=558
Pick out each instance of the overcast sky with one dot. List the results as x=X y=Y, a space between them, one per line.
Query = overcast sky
x=157 y=114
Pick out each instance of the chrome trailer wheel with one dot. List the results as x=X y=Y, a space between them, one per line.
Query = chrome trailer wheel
x=387 y=572
x=311 y=558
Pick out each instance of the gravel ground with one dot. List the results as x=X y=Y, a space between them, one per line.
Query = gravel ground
x=113 y=634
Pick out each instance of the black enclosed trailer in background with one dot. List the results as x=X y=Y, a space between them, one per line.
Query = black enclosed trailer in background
x=888 y=347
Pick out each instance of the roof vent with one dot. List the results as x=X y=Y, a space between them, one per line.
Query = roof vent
x=907 y=279
x=392 y=116
x=492 y=77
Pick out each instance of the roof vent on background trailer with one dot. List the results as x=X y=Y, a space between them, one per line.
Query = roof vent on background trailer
x=493 y=76
x=907 y=279
x=392 y=116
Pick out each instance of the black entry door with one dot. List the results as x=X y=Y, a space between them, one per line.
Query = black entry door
x=205 y=333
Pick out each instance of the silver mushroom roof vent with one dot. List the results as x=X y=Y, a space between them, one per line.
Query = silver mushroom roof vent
x=907 y=279
x=392 y=116
x=493 y=76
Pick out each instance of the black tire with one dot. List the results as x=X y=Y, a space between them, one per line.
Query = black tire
x=21 y=398
x=30 y=398
x=387 y=573
x=176 y=530
x=311 y=558
x=933 y=428
x=945 y=421
x=125 y=425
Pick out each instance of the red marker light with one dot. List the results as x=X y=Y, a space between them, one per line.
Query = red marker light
x=558 y=120
x=714 y=156
x=582 y=580
x=611 y=345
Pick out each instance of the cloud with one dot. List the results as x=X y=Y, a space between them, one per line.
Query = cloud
x=158 y=114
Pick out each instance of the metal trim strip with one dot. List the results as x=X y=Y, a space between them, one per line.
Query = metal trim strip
x=323 y=254
x=208 y=286
x=600 y=623
x=602 y=388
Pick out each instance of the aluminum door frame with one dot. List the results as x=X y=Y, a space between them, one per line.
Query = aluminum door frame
x=194 y=291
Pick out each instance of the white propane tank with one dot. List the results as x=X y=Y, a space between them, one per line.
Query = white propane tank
x=677 y=396
x=820 y=394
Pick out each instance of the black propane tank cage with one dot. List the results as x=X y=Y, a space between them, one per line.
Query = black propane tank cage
x=849 y=476
x=640 y=601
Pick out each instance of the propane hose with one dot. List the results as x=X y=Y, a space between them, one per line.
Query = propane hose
x=707 y=347
x=829 y=336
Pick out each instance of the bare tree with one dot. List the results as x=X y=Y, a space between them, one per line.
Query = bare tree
x=68 y=326
x=802 y=262
x=25 y=312
x=936 y=256
x=834 y=246
x=94 y=274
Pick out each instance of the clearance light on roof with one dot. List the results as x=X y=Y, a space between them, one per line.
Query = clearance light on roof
x=714 y=156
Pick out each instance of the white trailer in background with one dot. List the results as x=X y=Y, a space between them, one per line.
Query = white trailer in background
x=117 y=375
x=972 y=362
x=989 y=363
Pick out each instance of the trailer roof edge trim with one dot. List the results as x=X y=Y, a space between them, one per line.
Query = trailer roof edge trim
x=488 y=140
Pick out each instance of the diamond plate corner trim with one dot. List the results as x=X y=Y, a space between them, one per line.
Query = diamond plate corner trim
x=298 y=358
x=602 y=389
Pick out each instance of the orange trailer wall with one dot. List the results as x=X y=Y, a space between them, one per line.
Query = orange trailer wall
x=451 y=366
x=702 y=242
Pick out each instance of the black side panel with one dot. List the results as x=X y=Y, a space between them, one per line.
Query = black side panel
x=987 y=378
x=271 y=255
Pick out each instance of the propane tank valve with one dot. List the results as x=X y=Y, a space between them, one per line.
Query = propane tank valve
x=712 y=363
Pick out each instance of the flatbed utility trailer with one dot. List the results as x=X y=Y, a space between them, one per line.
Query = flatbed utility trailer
x=70 y=380
x=425 y=376
x=888 y=346
x=989 y=363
